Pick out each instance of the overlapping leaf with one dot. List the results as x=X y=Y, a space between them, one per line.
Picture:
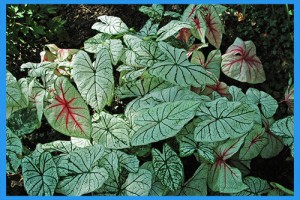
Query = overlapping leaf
x=13 y=151
x=162 y=121
x=221 y=176
x=130 y=54
x=110 y=131
x=171 y=29
x=199 y=27
x=110 y=25
x=168 y=167
x=179 y=70
x=68 y=112
x=257 y=187
x=196 y=185
x=95 y=81
x=150 y=54
x=267 y=103
x=223 y=120
x=79 y=174
x=40 y=175
x=149 y=29
x=155 y=12
x=214 y=27
x=241 y=63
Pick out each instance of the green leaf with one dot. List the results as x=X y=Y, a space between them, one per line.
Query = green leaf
x=223 y=120
x=60 y=146
x=95 y=81
x=187 y=144
x=284 y=128
x=237 y=94
x=111 y=131
x=257 y=187
x=23 y=121
x=38 y=69
x=267 y=103
x=171 y=29
x=137 y=184
x=221 y=176
x=68 y=112
x=110 y=25
x=255 y=141
x=196 y=185
x=141 y=87
x=79 y=174
x=178 y=70
x=13 y=151
x=40 y=175
x=168 y=167
x=162 y=121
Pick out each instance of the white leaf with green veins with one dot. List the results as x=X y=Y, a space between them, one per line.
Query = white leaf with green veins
x=137 y=184
x=79 y=174
x=38 y=69
x=171 y=29
x=268 y=104
x=237 y=94
x=111 y=131
x=13 y=151
x=224 y=120
x=178 y=70
x=15 y=100
x=168 y=167
x=111 y=163
x=187 y=144
x=149 y=29
x=257 y=187
x=129 y=162
x=110 y=25
x=196 y=185
x=130 y=54
x=149 y=54
x=284 y=128
x=40 y=175
x=162 y=121
x=95 y=81
x=141 y=87
x=60 y=146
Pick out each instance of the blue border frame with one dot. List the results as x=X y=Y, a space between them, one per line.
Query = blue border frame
x=2 y=82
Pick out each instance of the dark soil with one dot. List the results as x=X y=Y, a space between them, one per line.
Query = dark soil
x=80 y=19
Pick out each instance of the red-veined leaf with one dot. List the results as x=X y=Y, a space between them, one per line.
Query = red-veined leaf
x=184 y=35
x=241 y=63
x=221 y=88
x=214 y=27
x=221 y=176
x=199 y=27
x=68 y=112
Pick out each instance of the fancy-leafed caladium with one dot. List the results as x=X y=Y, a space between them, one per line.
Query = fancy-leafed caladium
x=241 y=63
x=164 y=121
x=95 y=80
x=68 y=112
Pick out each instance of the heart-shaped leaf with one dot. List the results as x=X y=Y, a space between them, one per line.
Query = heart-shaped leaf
x=241 y=63
x=171 y=29
x=40 y=175
x=162 y=121
x=95 y=81
x=178 y=70
x=168 y=167
x=79 y=174
x=137 y=184
x=257 y=187
x=13 y=151
x=214 y=27
x=149 y=29
x=110 y=25
x=110 y=131
x=221 y=176
x=223 y=120
x=68 y=112
x=196 y=185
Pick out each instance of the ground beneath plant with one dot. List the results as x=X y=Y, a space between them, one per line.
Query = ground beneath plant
x=80 y=19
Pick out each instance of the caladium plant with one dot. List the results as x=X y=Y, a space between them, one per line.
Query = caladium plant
x=177 y=107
